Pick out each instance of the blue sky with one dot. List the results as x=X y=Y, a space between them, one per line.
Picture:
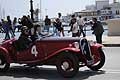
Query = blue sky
x=50 y=7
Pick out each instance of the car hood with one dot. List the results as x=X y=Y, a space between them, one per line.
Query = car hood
x=60 y=39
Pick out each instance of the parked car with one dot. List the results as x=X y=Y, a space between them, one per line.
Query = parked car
x=63 y=52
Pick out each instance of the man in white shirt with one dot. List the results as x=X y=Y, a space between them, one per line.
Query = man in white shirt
x=75 y=28
x=80 y=22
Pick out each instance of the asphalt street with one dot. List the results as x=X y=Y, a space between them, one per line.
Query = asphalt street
x=110 y=71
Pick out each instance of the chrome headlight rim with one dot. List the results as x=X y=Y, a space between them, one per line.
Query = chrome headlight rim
x=91 y=42
x=76 y=45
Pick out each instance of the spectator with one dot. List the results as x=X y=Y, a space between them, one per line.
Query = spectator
x=25 y=21
x=15 y=24
x=72 y=22
x=9 y=25
x=80 y=22
x=6 y=29
x=97 y=30
x=60 y=17
x=58 y=25
x=0 y=23
x=75 y=29
x=19 y=24
x=47 y=23
x=1 y=27
x=85 y=25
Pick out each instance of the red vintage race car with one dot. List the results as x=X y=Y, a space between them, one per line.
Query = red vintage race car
x=66 y=53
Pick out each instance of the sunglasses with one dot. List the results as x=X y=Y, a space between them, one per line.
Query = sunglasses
x=26 y=30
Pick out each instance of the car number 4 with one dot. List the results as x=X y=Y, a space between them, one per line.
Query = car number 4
x=34 y=51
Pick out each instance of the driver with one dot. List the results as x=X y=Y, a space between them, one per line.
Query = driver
x=24 y=40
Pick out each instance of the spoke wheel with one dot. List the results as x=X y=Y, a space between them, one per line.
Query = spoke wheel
x=67 y=65
x=4 y=66
x=99 y=64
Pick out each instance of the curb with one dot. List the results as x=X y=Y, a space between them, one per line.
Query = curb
x=111 y=45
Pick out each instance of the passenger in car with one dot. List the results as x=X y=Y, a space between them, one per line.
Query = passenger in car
x=24 y=40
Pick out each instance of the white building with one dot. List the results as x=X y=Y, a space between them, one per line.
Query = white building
x=115 y=8
x=87 y=14
x=100 y=4
x=90 y=7
x=102 y=10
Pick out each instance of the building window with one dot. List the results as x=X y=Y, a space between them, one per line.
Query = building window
x=117 y=12
x=110 y=12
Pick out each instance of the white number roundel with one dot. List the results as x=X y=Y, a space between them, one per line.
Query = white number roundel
x=34 y=51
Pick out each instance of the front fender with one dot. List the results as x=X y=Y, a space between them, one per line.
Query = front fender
x=95 y=48
x=5 y=53
x=97 y=45
x=68 y=49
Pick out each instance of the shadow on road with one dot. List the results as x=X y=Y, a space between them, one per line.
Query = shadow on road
x=46 y=73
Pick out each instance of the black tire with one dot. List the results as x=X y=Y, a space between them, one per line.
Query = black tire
x=67 y=64
x=4 y=66
x=100 y=63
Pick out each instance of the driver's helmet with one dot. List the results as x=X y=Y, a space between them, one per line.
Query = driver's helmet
x=24 y=30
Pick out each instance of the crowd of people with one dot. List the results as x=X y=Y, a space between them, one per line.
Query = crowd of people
x=8 y=27
x=57 y=24
x=77 y=26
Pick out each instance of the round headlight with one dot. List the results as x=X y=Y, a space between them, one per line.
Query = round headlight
x=76 y=45
x=91 y=42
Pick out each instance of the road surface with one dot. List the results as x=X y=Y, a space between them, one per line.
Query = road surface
x=110 y=71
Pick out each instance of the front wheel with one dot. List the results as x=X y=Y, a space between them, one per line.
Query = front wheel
x=99 y=64
x=67 y=65
x=4 y=66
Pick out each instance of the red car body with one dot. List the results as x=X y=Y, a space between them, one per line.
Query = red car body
x=49 y=51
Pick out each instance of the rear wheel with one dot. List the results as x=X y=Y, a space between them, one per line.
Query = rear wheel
x=67 y=65
x=99 y=64
x=4 y=66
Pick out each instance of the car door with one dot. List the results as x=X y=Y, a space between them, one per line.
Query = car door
x=25 y=55
x=33 y=53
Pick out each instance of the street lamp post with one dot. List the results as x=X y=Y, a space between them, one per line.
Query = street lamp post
x=40 y=10
x=31 y=9
x=46 y=11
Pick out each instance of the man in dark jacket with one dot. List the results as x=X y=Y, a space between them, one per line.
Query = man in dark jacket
x=25 y=21
x=97 y=30
x=47 y=23
x=24 y=40
x=58 y=25
x=72 y=22
x=9 y=25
